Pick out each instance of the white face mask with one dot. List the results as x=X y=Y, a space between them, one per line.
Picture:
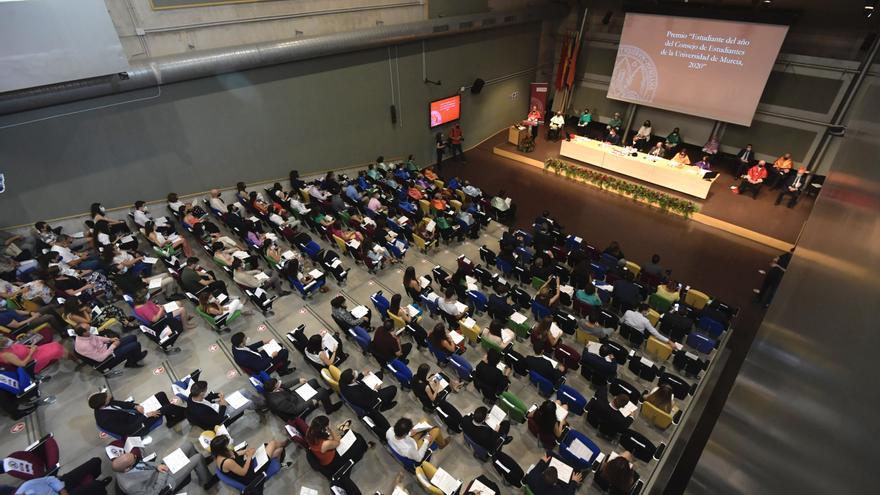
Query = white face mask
x=102 y=209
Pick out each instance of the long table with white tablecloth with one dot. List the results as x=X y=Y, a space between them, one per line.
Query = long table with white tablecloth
x=651 y=169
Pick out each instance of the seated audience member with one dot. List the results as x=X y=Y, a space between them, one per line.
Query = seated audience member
x=353 y=389
x=474 y=426
x=194 y=278
x=682 y=158
x=591 y=325
x=251 y=357
x=386 y=344
x=614 y=250
x=240 y=466
x=84 y=479
x=544 y=479
x=412 y=324
x=503 y=205
x=673 y=139
x=495 y=334
x=135 y=476
x=781 y=168
x=653 y=268
x=557 y=123
x=14 y=319
x=441 y=339
x=253 y=278
x=128 y=418
x=543 y=340
x=658 y=150
x=548 y=428
x=539 y=270
x=545 y=368
x=287 y=404
x=411 y=284
x=626 y=292
x=99 y=349
x=638 y=320
x=211 y=306
x=584 y=122
x=608 y=413
x=324 y=440
x=602 y=364
x=19 y=355
x=448 y=304
x=209 y=410
x=490 y=380
x=753 y=179
x=216 y=202
x=167 y=245
x=430 y=390
x=498 y=306
x=618 y=473
x=643 y=136
x=320 y=355
x=744 y=160
x=792 y=186
x=411 y=443
x=178 y=320
x=99 y=214
x=588 y=295
x=341 y=313
x=670 y=291
x=662 y=398
x=614 y=123
x=547 y=297
x=704 y=164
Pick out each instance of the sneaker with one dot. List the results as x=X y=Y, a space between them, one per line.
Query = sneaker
x=286 y=371
x=287 y=464
x=508 y=439
x=146 y=440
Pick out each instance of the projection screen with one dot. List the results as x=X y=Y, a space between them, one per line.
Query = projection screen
x=709 y=68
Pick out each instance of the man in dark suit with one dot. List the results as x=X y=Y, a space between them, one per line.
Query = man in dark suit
x=250 y=356
x=545 y=368
x=602 y=412
x=676 y=324
x=544 y=480
x=792 y=186
x=744 y=160
x=210 y=410
x=474 y=426
x=488 y=379
x=360 y=394
x=127 y=419
x=626 y=293
x=498 y=306
x=602 y=364
x=287 y=404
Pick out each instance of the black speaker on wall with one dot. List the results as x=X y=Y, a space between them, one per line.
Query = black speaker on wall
x=477 y=86
x=393 y=114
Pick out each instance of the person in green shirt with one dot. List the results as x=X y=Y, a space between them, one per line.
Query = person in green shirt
x=372 y=172
x=615 y=123
x=411 y=164
x=588 y=295
x=584 y=121
x=673 y=139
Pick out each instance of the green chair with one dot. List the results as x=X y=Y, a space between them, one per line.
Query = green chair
x=522 y=330
x=215 y=323
x=527 y=490
x=513 y=407
x=658 y=303
x=487 y=345
x=537 y=283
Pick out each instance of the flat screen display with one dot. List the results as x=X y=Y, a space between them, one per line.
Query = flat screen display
x=704 y=67
x=445 y=110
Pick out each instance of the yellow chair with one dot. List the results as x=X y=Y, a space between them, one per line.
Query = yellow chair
x=331 y=375
x=398 y=321
x=633 y=268
x=424 y=473
x=658 y=350
x=655 y=416
x=472 y=334
x=456 y=205
x=420 y=243
x=653 y=317
x=461 y=195
x=696 y=299
x=439 y=183
x=107 y=324
x=584 y=337
x=425 y=206
x=340 y=243
x=305 y=195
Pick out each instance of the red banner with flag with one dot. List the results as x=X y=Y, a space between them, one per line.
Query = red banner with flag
x=563 y=63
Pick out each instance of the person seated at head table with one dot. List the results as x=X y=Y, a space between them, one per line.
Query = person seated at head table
x=682 y=158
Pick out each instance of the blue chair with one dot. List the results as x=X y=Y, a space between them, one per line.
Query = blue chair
x=401 y=372
x=440 y=355
x=540 y=311
x=463 y=368
x=408 y=464
x=273 y=467
x=711 y=326
x=380 y=302
x=155 y=424
x=361 y=337
x=398 y=251
x=577 y=403
x=430 y=305
x=479 y=300
x=701 y=343
x=311 y=249
x=527 y=238
x=572 y=242
x=505 y=266
x=480 y=453
x=524 y=256
x=545 y=386
x=607 y=260
x=598 y=271
x=257 y=384
x=306 y=290
x=578 y=463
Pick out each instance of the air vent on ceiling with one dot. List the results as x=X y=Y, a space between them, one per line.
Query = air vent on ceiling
x=441 y=29
x=466 y=25
x=488 y=22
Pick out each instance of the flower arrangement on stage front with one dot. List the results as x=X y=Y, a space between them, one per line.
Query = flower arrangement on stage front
x=665 y=202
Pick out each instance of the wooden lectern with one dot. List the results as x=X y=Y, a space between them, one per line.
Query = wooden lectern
x=515 y=136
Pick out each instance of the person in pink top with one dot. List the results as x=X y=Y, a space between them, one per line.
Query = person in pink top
x=152 y=312
x=14 y=354
x=99 y=349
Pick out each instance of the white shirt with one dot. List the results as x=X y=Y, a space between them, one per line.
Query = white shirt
x=175 y=206
x=557 y=121
x=644 y=132
x=66 y=254
x=641 y=323
x=140 y=218
x=218 y=204
x=406 y=446
x=448 y=306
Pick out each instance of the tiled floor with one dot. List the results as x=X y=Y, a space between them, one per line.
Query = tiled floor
x=697 y=253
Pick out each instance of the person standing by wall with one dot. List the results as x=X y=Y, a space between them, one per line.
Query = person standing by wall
x=456 y=137
x=440 y=147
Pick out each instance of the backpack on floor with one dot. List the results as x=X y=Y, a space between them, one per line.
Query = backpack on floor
x=568 y=356
x=509 y=469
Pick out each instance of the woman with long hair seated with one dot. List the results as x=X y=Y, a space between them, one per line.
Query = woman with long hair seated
x=412 y=323
x=441 y=340
x=618 y=474
x=166 y=244
x=662 y=398
x=210 y=306
x=324 y=440
x=153 y=313
x=19 y=355
x=240 y=465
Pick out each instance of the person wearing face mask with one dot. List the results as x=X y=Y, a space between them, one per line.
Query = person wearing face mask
x=248 y=355
x=116 y=226
x=136 y=476
x=642 y=138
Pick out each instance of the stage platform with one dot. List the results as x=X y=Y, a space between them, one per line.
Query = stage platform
x=756 y=219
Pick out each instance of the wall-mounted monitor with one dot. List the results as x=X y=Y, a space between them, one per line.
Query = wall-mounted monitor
x=445 y=110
